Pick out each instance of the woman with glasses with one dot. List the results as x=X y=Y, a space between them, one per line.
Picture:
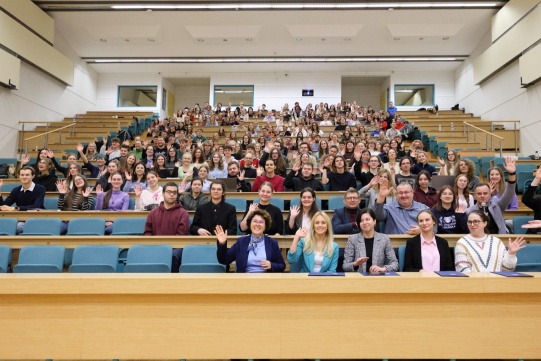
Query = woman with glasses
x=426 y=251
x=480 y=252
x=255 y=253
x=369 y=251
x=78 y=198
x=315 y=245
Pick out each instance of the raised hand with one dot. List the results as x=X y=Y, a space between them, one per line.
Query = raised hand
x=516 y=245
x=99 y=189
x=80 y=148
x=294 y=211
x=221 y=234
x=138 y=191
x=296 y=166
x=127 y=175
x=61 y=187
x=492 y=186
x=532 y=224
x=461 y=208
x=240 y=176
x=253 y=207
x=109 y=150
x=86 y=192
x=441 y=161
x=359 y=261
x=509 y=165
x=26 y=159
x=301 y=233
x=50 y=154
x=260 y=171
x=182 y=187
x=375 y=180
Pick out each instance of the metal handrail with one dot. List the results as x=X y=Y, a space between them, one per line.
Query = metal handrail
x=45 y=134
x=492 y=135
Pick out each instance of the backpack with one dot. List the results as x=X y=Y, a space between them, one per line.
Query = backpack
x=4 y=170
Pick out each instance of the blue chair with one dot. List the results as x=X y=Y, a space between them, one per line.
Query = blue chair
x=132 y=204
x=94 y=259
x=5 y=258
x=275 y=201
x=200 y=259
x=402 y=257
x=42 y=227
x=529 y=259
x=522 y=179
x=8 y=226
x=50 y=203
x=149 y=259
x=8 y=187
x=40 y=259
x=336 y=202
x=239 y=203
x=297 y=202
x=518 y=221
x=129 y=226
x=86 y=227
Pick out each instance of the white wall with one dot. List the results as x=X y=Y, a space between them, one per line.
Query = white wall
x=364 y=95
x=41 y=98
x=188 y=95
x=444 y=86
x=276 y=89
x=108 y=90
x=501 y=97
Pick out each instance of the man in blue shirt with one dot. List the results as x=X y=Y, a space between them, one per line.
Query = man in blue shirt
x=391 y=109
x=400 y=216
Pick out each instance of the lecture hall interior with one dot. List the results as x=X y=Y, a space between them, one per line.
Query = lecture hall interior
x=65 y=63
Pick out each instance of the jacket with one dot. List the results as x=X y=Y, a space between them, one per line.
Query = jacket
x=174 y=221
x=413 y=260
x=329 y=263
x=239 y=253
x=382 y=251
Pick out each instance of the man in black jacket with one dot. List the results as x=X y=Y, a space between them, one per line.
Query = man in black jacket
x=298 y=182
x=216 y=212
x=233 y=172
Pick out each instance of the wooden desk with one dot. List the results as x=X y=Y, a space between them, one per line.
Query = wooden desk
x=294 y=316
x=17 y=242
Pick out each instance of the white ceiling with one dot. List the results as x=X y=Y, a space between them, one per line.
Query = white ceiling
x=195 y=34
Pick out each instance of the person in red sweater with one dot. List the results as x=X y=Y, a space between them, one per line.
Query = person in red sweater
x=268 y=175
x=169 y=219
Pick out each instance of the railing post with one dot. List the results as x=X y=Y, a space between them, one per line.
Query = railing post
x=500 y=147
x=20 y=144
x=486 y=141
x=46 y=137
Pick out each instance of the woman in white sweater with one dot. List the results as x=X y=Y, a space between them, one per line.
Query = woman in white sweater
x=152 y=196
x=480 y=252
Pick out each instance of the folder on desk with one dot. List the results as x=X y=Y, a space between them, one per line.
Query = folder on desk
x=451 y=274
x=512 y=274
x=379 y=274
x=327 y=274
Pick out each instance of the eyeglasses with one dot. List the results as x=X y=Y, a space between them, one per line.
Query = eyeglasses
x=171 y=192
x=257 y=221
x=352 y=198
x=78 y=180
x=474 y=222
x=404 y=193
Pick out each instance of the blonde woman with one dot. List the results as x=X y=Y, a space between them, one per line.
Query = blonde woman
x=371 y=190
x=316 y=245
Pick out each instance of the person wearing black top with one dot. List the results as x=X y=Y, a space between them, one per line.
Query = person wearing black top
x=44 y=176
x=233 y=172
x=265 y=194
x=216 y=212
x=297 y=181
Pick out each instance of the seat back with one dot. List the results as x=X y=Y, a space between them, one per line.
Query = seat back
x=40 y=259
x=149 y=259
x=402 y=257
x=239 y=203
x=275 y=201
x=529 y=259
x=86 y=226
x=518 y=221
x=94 y=259
x=5 y=258
x=200 y=259
x=50 y=204
x=336 y=202
x=42 y=227
x=129 y=226
x=8 y=226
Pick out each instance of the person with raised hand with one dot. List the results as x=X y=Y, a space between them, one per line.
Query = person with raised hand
x=255 y=253
x=316 y=245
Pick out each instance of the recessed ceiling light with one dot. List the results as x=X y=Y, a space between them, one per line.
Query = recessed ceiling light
x=127 y=40
x=446 y=38
x=323 y=39
x=249 y=39
x=103 y=40
x=421 y=38
x=396 y=39
x=150 y=40
x=200 y=40
x=298 y=39
x=347 y=39
x=224 y=40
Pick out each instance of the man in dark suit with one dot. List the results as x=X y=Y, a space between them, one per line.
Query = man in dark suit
x=344 y=220
x=216 y=212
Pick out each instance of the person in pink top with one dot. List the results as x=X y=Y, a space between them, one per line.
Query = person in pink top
x=426 y=251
